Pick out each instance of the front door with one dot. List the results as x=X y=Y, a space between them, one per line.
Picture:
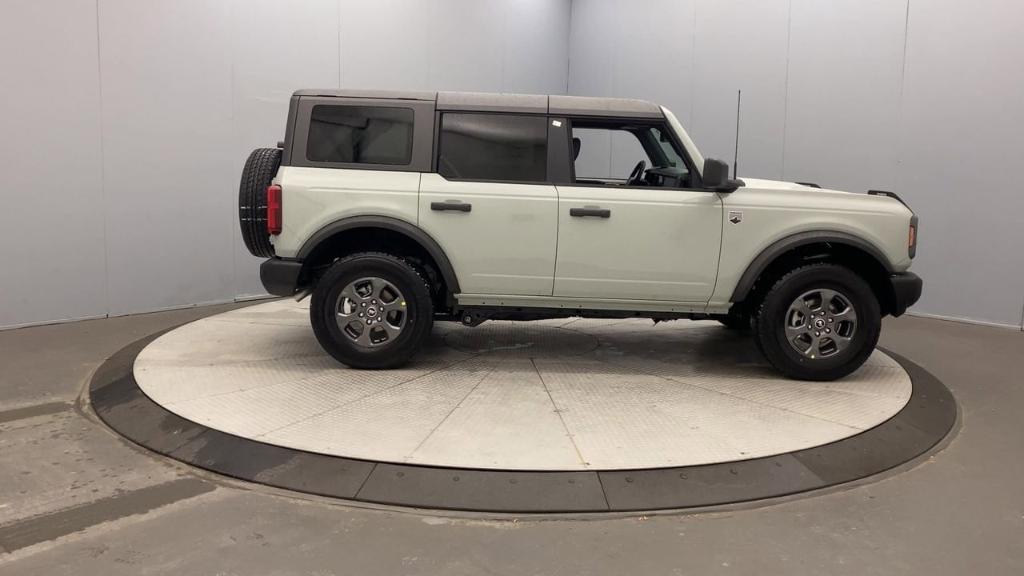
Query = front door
x=629 y=226
x=490 y=206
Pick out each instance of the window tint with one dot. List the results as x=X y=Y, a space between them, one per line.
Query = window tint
x=493 y=147
x=360 y=135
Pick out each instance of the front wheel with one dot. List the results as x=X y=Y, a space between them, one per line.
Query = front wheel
x=371 y=311
x=818 y=322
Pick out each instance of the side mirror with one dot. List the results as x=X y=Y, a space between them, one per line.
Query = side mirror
x=716 y=176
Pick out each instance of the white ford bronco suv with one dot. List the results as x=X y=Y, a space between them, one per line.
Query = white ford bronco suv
x=398 y=209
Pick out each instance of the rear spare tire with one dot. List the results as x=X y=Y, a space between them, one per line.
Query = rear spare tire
x=259 y=170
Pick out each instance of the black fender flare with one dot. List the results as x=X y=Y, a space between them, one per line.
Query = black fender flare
x=781 y=246
x=412 y=231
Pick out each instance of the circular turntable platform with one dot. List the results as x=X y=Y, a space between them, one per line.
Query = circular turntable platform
x=585 y=414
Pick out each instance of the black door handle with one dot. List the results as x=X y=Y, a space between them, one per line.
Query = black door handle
x=451 y=205
x=583 y=212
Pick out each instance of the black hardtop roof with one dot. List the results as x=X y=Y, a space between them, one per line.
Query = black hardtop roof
x=493 y=102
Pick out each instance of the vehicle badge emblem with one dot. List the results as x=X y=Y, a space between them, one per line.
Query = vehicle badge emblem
x=735 y=216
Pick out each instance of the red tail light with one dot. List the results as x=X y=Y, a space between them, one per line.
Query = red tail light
x=912 y=237
x=273 y=209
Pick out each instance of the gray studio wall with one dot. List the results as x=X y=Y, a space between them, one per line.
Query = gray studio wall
x=125 y=124
x=923 y=98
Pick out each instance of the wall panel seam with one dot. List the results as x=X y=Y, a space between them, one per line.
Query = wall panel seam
x=337 y=25
x=103 y=168
x=785 y=97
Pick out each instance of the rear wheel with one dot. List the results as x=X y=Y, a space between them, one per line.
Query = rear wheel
x=371 y=311
x=818 y=322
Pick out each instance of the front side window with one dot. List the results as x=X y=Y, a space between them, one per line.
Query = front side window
x=607 y=153
x=360 y=135
x=501 y=147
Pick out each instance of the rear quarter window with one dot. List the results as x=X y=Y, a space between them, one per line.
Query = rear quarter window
x=360 y=135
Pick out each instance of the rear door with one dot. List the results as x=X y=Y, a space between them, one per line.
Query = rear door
x=490 y=205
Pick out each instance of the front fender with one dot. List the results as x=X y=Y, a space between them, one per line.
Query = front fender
x=791 y=242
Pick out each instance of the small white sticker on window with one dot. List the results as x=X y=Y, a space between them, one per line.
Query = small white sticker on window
x=556 y=123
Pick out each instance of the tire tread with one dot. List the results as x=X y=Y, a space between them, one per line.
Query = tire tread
x=258 y=172
x=767 y=341
x=389 y=356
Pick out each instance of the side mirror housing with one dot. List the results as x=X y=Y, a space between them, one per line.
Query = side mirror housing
x=716 y=176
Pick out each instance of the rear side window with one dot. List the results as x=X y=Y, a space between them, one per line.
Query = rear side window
x=500 y=147
x=360 y=135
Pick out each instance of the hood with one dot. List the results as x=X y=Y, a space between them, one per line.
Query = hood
x=779 y=185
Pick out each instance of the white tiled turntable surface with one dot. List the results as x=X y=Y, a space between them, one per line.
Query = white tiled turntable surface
x=550 y=395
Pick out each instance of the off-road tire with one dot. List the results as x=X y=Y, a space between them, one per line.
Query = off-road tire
x=420 y=310
x=259 y=170
x=769 y=322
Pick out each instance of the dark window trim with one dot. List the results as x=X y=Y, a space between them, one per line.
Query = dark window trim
x=422 y=144
x=289 y=131
x=559 y=169
x=490 y=181
x=435 y=142
x=437 y=147
x=587 y=185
